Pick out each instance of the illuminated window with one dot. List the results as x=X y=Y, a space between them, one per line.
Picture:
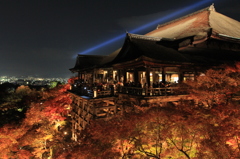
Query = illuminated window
x=130 y=77
x=188 y=76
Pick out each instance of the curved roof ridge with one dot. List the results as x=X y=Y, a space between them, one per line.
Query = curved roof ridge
x=224 y=26
x=91 y=55
x=210 y=8
x=145 y=37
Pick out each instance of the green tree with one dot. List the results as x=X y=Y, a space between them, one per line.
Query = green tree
x=14 y=105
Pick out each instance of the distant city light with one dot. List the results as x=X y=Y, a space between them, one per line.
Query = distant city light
x=156 y=22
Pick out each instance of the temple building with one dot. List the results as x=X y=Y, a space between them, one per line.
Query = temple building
x=147 y=68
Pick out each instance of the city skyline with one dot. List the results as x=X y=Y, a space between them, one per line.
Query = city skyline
x=43 y=37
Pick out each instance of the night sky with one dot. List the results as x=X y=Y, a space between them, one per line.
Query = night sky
x=42 y=37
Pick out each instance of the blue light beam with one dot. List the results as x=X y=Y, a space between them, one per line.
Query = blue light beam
x=156 y=22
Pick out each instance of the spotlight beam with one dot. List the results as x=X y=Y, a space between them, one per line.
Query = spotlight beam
x=160 y=20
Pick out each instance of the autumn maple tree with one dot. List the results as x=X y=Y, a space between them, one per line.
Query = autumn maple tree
x=206 y=129
x=216 y=86
x=37 y=135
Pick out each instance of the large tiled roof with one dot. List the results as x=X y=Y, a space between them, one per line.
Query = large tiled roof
x=203 y=37
x=165 y=51
x=199 y=24
x=189 y=39
x=139 y=45
x=85 y=62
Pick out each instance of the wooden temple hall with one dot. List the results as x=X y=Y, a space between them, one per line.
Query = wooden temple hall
x=148 y=68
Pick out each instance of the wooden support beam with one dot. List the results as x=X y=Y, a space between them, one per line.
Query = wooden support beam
x=148 y=76
x=136 y=79
x=124 y=76
x=163 y=75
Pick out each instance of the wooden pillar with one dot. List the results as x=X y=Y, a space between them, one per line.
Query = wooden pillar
x=93 y=76
x=148 y=76
x=85 y=79
x=163 y=75
x=79 y=76
x=170 y=77
x=124 y=76
x=180 y=76
x=118 y=75
x=136 y=80
x=110 y=75
x=104 y=76
x=155 y=77
x=196 y=74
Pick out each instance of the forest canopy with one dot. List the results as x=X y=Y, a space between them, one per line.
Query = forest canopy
x=206 y=128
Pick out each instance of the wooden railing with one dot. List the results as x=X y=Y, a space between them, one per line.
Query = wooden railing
x=148 y=91
x=93 y=92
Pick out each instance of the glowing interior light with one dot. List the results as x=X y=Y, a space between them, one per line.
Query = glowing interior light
x=160 y=20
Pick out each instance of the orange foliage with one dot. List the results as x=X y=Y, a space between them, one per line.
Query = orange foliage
x=183 y=131
x=216 y=86
x=29 y=138
x=72 y=80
